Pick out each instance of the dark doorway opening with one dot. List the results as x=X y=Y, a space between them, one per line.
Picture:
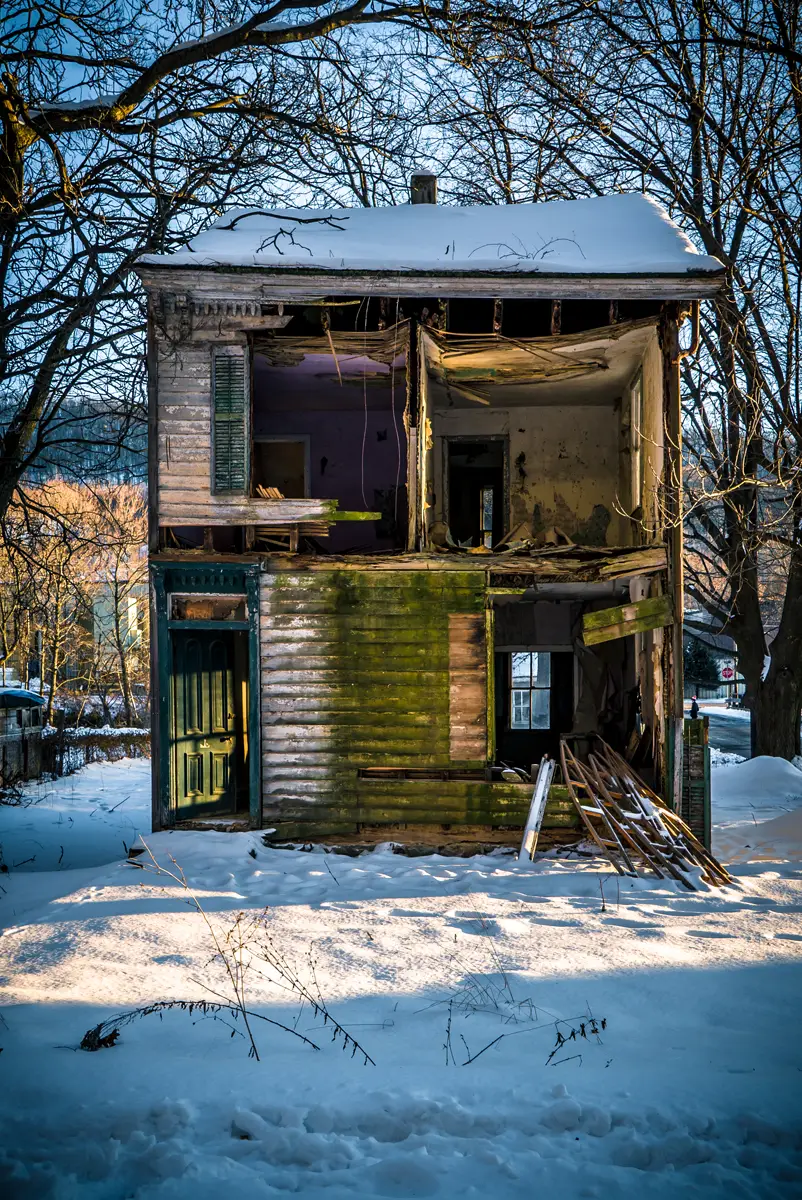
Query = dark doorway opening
x=534 y=704
x=209 y=722
x=476 y=490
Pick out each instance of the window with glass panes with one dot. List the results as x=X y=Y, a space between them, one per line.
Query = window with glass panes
x=530 y=690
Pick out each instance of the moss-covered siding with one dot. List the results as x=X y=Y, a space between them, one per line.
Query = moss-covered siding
x=356 y=674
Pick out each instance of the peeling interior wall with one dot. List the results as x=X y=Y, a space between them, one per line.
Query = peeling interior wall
x=354 y=429
x=652 y=440
x=563 y=466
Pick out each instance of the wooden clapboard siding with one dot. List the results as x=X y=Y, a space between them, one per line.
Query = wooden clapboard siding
x=467 y=686
x=184 y=443
x=378 y=669
x=356 y=672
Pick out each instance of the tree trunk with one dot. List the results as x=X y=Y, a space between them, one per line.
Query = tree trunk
x=122 y=655
x=777 y=699
x=775 y=714
x=56 y=643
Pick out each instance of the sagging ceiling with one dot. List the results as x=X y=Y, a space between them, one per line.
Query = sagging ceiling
x=477 y=371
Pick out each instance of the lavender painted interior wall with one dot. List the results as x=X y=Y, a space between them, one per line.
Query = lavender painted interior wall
x=356 y=431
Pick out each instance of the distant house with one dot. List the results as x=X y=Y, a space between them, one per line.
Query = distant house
x=415 y=499
x=128 y=611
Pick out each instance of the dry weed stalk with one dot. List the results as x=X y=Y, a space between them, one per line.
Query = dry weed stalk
x=240 y=950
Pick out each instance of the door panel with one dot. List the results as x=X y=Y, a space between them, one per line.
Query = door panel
x=192 y=683
x=208 y=736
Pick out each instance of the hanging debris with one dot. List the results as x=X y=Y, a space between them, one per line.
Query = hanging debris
x=631 y=825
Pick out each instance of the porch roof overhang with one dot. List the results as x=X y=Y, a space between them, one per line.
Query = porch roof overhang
x=271 y=285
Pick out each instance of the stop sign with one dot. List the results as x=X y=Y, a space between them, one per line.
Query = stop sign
x=727 y=672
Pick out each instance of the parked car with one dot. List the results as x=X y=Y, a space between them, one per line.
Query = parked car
x=20 y=735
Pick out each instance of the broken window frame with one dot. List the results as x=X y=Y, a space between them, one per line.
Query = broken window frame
x=236 y=602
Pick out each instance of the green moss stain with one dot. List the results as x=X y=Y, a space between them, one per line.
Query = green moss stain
x=365 y=672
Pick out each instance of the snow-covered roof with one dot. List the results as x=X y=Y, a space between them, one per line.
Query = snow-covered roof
x=626 y=234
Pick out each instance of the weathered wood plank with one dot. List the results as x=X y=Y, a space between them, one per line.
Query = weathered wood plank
x=184 y=465
x=467 y=686
x=609 y=623
x=274 y=284
x=184 y=506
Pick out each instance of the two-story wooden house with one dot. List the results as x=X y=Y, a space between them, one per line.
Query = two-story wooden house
x=404 y=464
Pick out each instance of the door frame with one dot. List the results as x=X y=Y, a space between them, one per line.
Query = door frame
x=234 y=636
x=200 y=579
x=449 y=439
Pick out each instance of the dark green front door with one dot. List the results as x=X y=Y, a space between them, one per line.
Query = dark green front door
x=209 y=707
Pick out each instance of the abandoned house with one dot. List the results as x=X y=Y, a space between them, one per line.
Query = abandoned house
x=415 y=509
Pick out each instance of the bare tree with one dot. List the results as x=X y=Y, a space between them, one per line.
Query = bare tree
x=126 y=129
x=119 y=579
x=700 y=103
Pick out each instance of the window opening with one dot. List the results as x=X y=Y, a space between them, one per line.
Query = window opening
x=530 y=690
x=281 y=464
x=208 y=608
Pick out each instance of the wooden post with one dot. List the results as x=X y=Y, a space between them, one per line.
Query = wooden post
x=556 y=317
x=208 y=538
x=411 y=426
x=498 y=315
x=694 y=806
x=612 y=317
x=672 y=491
x=425 y=448
x=152 y=360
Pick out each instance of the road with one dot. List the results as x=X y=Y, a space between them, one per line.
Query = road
x=730 y=734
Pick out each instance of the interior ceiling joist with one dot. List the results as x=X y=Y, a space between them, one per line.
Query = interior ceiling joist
x=476 y=364
x=383 y=345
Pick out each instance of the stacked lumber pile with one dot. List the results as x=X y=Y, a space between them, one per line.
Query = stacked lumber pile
x=632 y=825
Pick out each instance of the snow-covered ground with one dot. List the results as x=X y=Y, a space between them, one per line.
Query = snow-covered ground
x=717 y=708
x=692 y=1088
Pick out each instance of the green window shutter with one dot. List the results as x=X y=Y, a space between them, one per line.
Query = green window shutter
x=230 y=423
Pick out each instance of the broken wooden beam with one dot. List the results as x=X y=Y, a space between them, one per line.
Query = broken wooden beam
x=606 y=624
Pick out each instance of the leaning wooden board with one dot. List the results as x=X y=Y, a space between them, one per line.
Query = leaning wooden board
x=637 y=617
